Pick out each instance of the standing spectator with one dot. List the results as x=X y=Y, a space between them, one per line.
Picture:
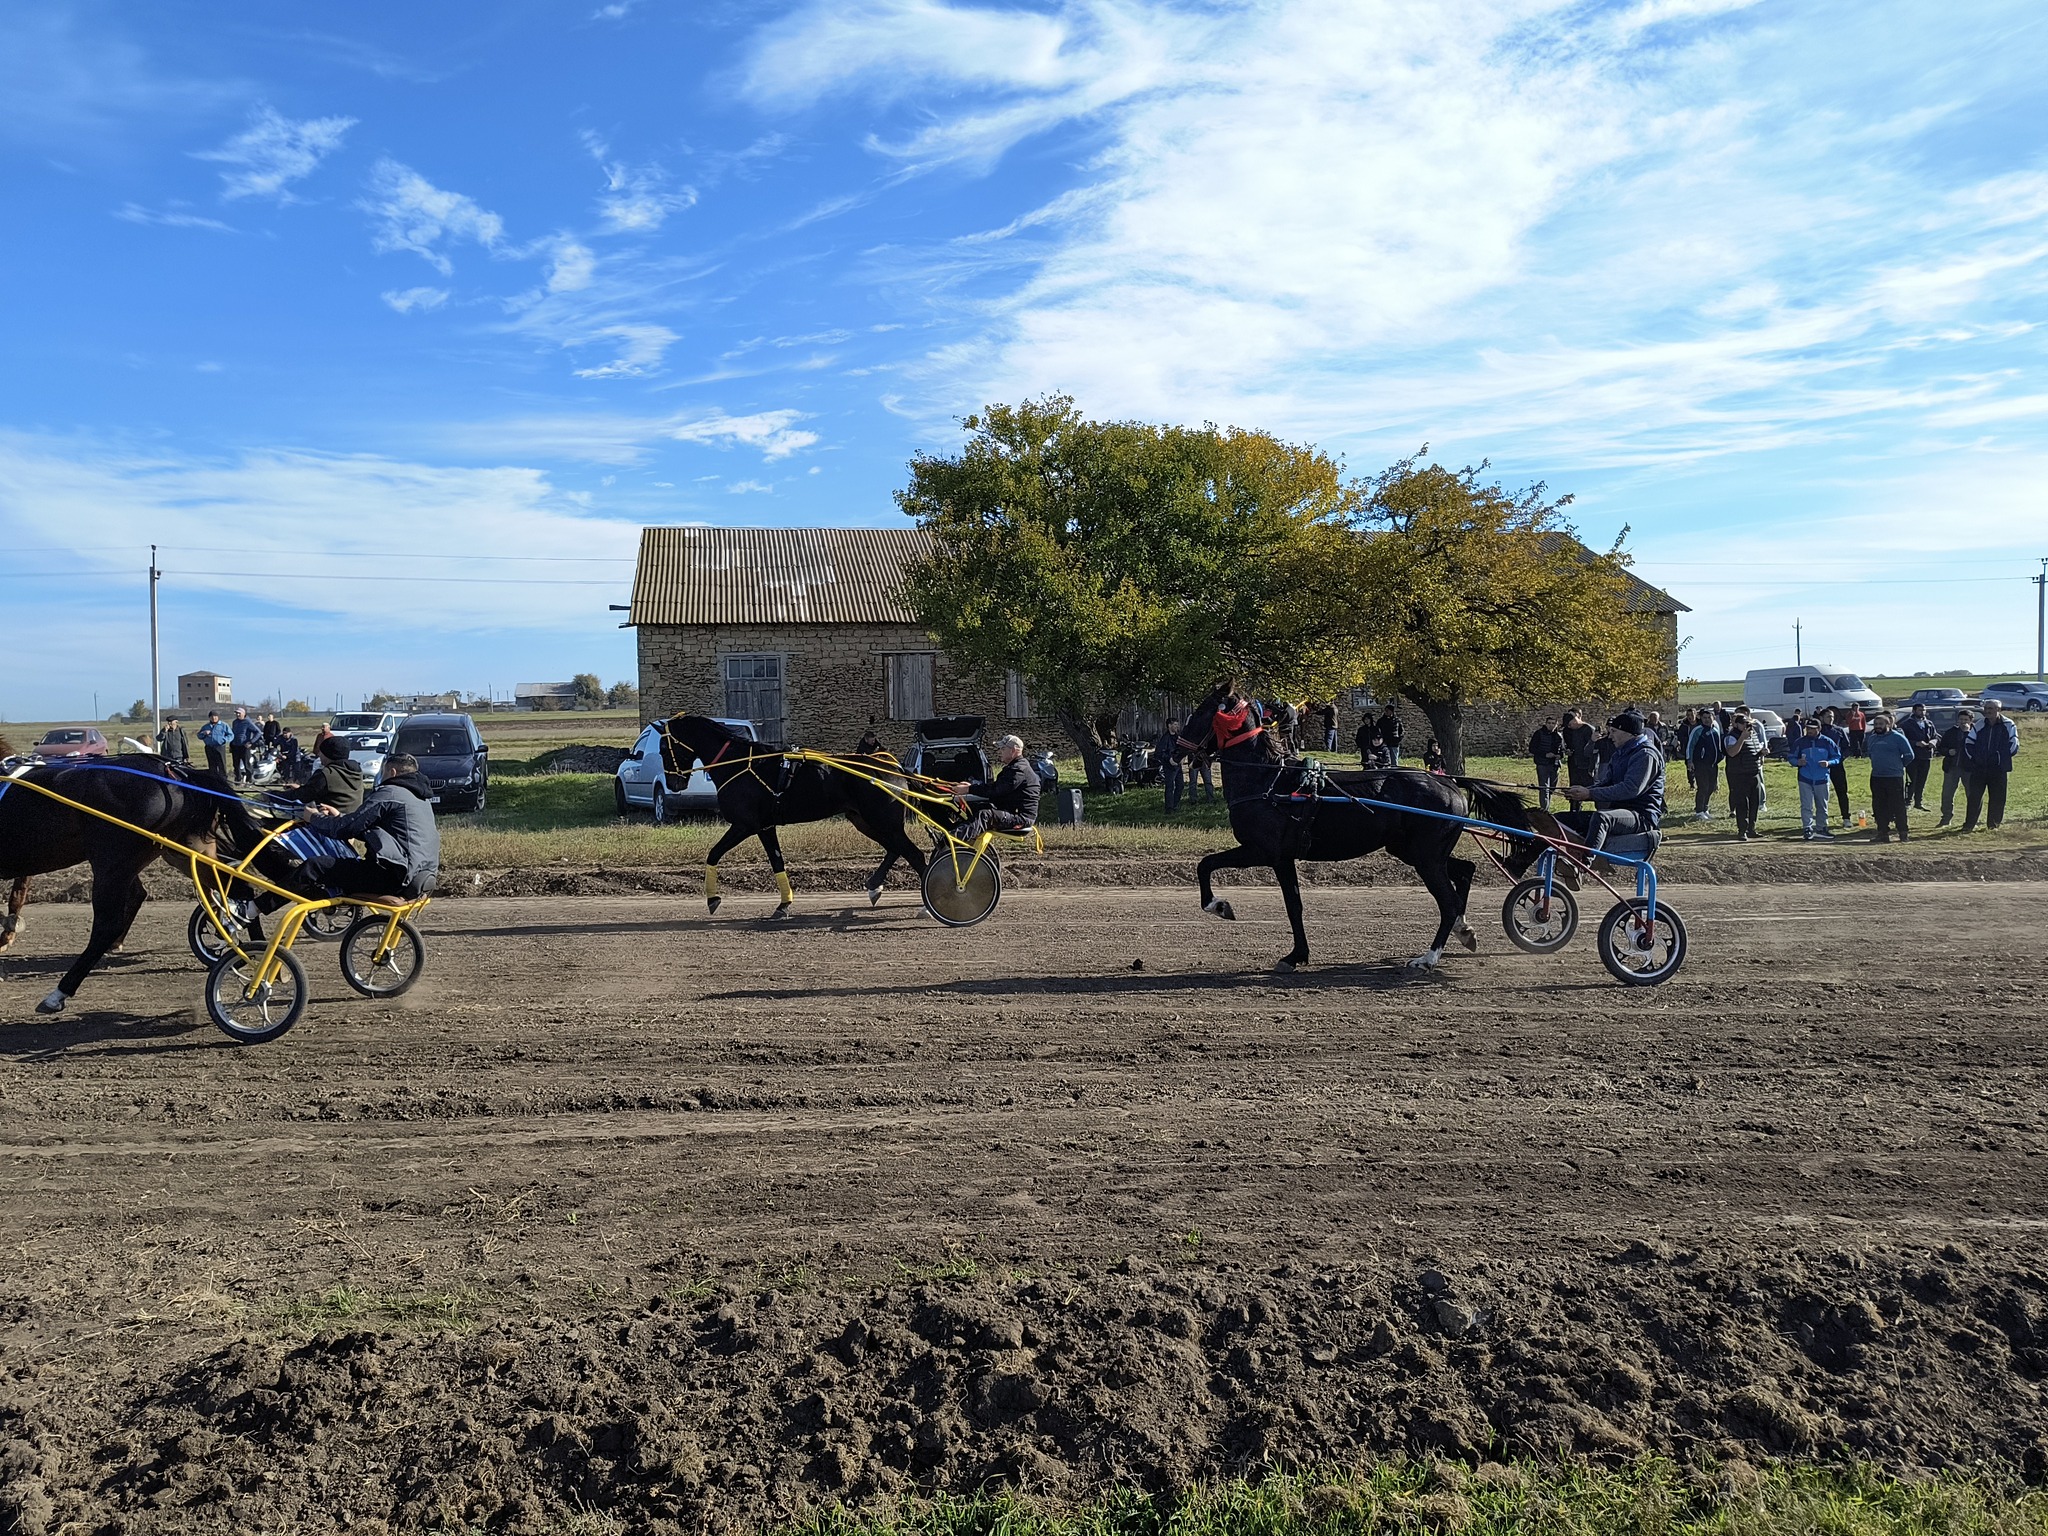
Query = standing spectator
x=1391 y=734
x=1919 y=731
x=1891 y=759
x=1704 y=752
x=1200 y=771
x=1330 y=726
x=1287 y=720
x=1666 y=738
x=243 y=736
x=1859 y=729
x=214 y=737
x=1813 y=757
x=1950 y=750
x=1166 y=756
x=1795 y=728
x=1368 y=742
x=170 y=742
x=1546 y=750
x=291 y=762
x=1581 y=763
x=1743 y=746
x=1838 y=771
x=870 y=743
x=1988 y=752
x=273 y=733
x=1683 y=739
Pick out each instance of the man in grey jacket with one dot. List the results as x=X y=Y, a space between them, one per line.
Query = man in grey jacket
x=396 y=824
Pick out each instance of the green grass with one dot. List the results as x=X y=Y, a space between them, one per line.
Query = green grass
x=1652 y=1498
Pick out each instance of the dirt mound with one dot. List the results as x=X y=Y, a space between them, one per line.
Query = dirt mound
x=747 y=1405
x=580 y=759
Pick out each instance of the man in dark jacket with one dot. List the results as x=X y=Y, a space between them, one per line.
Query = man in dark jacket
x=1329 y=717
x=1368 y=742
x=170 y=742
x=1011 y=796
x=1166 y=758
x=1838 y=771
x=1988 y=752
x=1546 y=751
x=1921 y=735
x=1391 y=734
x=1629 y=794
x=243 y=736
x=1950 y=750
x=396 y=825
x=1704 y=752
x=1581 y=762
x=335 y=782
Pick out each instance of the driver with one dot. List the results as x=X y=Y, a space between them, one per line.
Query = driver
x=1628 y=793
x=396 y=825
x=1011 y=796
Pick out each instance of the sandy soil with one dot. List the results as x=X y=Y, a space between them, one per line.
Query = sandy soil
x=686 y=1221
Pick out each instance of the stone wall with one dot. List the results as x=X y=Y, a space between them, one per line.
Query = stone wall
x=833 y=680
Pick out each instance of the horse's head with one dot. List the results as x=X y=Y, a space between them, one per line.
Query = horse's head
x=679 y=754
x=1198 y=731
x=1504 y=807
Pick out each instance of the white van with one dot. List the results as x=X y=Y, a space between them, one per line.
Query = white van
x=1808 y=688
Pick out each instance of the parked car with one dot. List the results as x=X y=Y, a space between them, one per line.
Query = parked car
x=367 y=734
x=1933 y=698
x=1774 y=731
x=2032 y=697
x=453 y=758
x=643 y=783
x=1807 y=688
x=949 y=748
x=72 y=741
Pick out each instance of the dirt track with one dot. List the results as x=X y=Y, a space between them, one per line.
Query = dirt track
x=734 y=1217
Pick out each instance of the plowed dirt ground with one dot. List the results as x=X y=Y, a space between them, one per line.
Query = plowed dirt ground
x=677 y=1221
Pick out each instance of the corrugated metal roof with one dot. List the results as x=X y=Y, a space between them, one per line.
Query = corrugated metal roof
x=773 y=575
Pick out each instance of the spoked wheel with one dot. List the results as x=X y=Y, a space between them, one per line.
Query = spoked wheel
x=374 y=970
x=329 y=923
x=1639 y=951
x=961 y=902
x=1539 y=921
x=203 y=936
x=252 y=1017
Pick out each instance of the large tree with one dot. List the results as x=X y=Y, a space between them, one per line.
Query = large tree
x=1468 y=593
x=1109 y=561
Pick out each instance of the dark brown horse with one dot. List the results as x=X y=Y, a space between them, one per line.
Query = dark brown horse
x=193 y=808
x=761 y=788
x=1281 y=817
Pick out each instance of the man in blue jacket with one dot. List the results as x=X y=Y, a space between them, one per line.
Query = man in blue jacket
x=1891 y=759
x=214 y=737
x=1814 y=755
x=1628 y=793
x=1988 y=751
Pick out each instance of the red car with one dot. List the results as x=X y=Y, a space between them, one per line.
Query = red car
x=71 y=741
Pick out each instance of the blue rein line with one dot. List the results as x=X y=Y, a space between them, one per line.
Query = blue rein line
x=140 y=773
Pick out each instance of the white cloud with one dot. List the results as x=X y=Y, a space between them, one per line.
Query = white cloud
x=412 y=214
x=405 y=301
x=172 y=218
x=749 y=488
x=636 y=199
x=571 y=267
x=640 y=352
x=274 y=151
x=620 y=439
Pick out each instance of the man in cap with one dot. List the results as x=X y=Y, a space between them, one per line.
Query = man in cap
x=1009 y=800
x=1628 y=793
x=1988 y=751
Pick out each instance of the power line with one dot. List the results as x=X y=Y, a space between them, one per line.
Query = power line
x=487 y=581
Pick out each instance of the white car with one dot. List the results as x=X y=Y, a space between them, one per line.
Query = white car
x=642 y=784
x=367 y=734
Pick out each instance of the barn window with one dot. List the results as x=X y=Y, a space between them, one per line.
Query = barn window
x=753 y=691
x=907 y=676
x=1017 y=698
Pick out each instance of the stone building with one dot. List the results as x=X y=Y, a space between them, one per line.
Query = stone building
x=799 y=630
x=203 y=691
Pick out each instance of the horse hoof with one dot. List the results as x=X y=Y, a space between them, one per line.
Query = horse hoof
x=1470 y=940
x=54 y=1003
x=874 y=895
x=781 y=911
x=712 y=903
x=1284 y=967
x=1426 y=961
x=1222 y=909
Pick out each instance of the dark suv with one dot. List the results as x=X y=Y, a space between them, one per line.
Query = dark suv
x=453 y=758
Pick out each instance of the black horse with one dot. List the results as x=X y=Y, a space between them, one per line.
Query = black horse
x=761 y=788
x=194 y=808
x=1280 y=818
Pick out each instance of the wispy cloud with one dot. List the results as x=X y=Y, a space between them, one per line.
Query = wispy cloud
x=749 y=488
x=623 y=439
x=274 y=151
x=67 y=82
x=172 y=218
x=641 y=348
x=406 y=300
x=412 y=214
x=636 y=199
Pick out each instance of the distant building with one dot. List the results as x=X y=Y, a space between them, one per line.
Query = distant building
x=544 y=696
x=204 y=690
x=415 y=703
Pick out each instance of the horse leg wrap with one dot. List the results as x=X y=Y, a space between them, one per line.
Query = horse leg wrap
x=711 y=896
x=782 y=884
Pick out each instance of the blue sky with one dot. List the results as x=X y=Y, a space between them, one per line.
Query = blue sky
x=393 y=324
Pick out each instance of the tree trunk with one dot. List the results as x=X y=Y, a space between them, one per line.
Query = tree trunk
x=1083 y=735
x=1447 y=724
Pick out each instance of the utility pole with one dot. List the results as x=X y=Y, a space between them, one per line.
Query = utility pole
x=156 y=671
x=2041 y=623
x=1798 y=659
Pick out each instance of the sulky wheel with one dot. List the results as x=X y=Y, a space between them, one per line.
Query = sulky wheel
x=1538 y=921
x=960 y=904
x=1642 y=953
x=374 y=970
x=329 y=923
x=203 y=934
x=271 y=1010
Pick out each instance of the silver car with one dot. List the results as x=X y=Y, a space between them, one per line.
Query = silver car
x=2032 y=697
x=642 y=784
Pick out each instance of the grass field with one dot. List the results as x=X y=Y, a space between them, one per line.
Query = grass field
x=1652 y=1498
